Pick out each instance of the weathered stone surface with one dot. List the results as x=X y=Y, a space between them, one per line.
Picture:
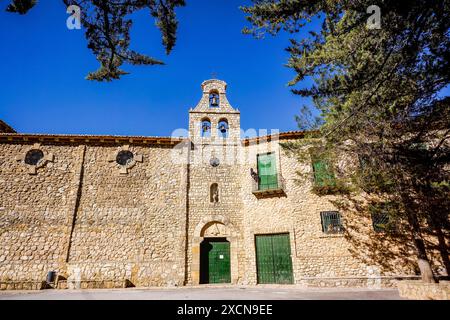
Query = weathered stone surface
x=418 y=290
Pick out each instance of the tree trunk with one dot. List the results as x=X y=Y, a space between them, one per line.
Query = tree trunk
x=443 y=248
x=422 y=260
x=424 y=265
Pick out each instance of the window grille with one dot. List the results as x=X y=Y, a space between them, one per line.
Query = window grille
x=379 y=221
x=331 y=222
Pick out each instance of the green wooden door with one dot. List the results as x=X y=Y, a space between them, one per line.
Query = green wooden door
x=267 y=171
x=215 y=262
x=273 y=259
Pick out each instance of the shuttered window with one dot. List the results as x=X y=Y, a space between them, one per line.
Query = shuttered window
x=331 y=222
x=267 y=172
x=323 y=175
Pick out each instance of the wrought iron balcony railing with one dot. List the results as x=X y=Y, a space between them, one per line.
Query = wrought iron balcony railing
x=268 y=186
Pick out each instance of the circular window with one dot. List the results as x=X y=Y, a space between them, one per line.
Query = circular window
x=214 y=162
x=33 y=157
x=124 y=157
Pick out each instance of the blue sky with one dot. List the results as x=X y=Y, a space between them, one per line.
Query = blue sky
x=43 y=90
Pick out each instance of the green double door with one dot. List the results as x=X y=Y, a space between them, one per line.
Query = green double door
x=273 y=259
x=215 y=261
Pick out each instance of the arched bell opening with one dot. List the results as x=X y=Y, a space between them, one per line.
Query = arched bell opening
x=205 y=128
x=214 y=99
x=223 y=128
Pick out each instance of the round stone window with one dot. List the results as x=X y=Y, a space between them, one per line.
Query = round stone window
x=33 y=157
x=124 y=157
x=214 y=162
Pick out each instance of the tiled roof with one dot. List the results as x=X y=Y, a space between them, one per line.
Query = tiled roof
x=280 y=136
x=4 y=127
x=80 y=138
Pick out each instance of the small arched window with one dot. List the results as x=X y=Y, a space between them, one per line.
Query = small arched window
x=214 y=99
x=205 y=130
x=214 y=193
x=222 y=128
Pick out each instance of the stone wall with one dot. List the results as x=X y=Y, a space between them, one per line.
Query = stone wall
x=85 y=217
x=127 y=221
x=417 y=290
x=34 y=211
x=100 y=223
x=226 y=211
x=318 y=259
x=81 y=216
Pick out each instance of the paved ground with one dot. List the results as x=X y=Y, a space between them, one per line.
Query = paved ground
x=208 y=293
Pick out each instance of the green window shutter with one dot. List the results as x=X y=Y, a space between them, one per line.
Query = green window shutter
x=323 y=176
x=267 y=171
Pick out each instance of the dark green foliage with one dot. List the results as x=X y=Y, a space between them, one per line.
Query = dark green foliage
x=108 y=30
x=21 y=6
x=323 y=174
x=377 y=93
x=325 y=182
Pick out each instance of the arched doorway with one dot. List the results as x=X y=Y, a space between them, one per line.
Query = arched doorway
x=214 y=252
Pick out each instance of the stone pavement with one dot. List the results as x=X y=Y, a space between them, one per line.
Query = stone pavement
x=208 y=293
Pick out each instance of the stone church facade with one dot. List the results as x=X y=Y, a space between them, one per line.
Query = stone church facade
x=172 y=211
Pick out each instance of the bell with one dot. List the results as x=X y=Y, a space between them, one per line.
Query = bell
x=214 y=100
x=205 y=127
x=223 y=129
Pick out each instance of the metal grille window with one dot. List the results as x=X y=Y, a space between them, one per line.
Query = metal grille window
x=380 y=221
x=383 y=217
x=331 y=222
